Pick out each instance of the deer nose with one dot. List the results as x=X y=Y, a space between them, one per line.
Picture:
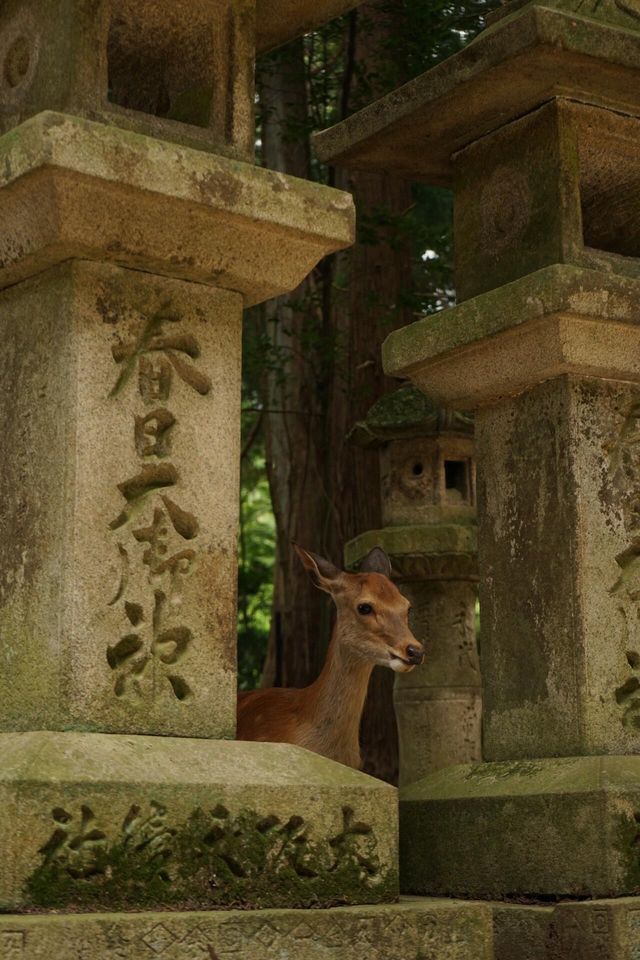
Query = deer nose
x=415 y=654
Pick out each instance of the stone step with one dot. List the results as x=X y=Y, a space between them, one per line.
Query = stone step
x=561 y=827
x=591 y=930
x=414 y=929
x=98 y=822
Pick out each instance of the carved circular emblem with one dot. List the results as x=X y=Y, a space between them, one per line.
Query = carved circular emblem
x=19 y=51
x=16 y=62
x=505 y=207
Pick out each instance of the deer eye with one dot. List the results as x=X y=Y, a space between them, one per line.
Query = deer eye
x=365 y=609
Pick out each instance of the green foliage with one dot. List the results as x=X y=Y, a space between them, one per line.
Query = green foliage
x=256 y=561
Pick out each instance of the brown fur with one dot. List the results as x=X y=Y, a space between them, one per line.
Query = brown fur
x=325 y=717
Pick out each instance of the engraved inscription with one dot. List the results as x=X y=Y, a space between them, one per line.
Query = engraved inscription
x=215 y=857
x=158 y=939
x=76 y=843
x=156 y=355
x=153 y=433
x=624 y=477
x=155 y=531
x=12 y=944
x=151 y=644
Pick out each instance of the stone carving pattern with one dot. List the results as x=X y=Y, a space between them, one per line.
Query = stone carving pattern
x=216 y=857
x=153 y=528
x=506 y=203
x=12 y=944
x=576 y=930
x=624 y=475
x=423 y=938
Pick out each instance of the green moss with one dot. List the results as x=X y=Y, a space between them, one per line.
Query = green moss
x=407 y=412
x=214 y=860
x=626 y=843
x=505 y=770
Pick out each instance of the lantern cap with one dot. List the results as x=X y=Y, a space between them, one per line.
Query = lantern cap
x=528 y=56
x=280 y=21
x=404 y=414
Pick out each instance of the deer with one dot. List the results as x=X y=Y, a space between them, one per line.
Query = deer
x=371 y=628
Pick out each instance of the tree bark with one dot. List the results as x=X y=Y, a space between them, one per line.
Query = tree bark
x=292 y=389
x=326 y=491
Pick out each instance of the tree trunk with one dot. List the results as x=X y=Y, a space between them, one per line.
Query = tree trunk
x=380 y=276
x=293 y=388
x=325 y=491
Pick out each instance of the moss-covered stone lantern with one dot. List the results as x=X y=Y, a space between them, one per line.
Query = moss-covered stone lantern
x=536 y=126
x=133 y=231
x=428 y=481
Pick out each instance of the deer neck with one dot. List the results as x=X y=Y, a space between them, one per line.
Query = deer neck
x=339 y=696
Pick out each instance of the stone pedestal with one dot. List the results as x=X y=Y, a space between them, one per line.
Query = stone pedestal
x=126 y=257
x=535 y=126
x=133 y=231
x=428 y=487
x=413 y=928
x=439 y=711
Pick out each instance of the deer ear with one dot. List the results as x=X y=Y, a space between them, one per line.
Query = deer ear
x=323 y=573
x=376 y=561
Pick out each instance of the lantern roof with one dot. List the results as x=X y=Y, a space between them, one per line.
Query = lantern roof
x=279 y=21
x=527 y=55
x=404 y=414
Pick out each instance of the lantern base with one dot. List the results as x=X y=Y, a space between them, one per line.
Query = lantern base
x=524 y=829
x=94 y=821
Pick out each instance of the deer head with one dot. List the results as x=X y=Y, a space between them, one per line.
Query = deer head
x=372 y=620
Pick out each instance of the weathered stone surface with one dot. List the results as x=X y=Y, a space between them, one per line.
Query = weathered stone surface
x=428 y=480
x=563 y=188
x=523 y=933
x=182 y=71
x=406 y=413
x=279 y=21
x=414 y=927
x=590 y=930
x=601 y=930
x=522 y=62
x=93 y=821
x=432 y=551
x=622 y=13
x=561 y=561
x=531 y=828
x=438 y=706
x=70 y=188
x=120 y=407
x=559 y=320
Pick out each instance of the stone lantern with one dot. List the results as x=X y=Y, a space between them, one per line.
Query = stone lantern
x=134 y=230
x=536 y=126
x=428 y=482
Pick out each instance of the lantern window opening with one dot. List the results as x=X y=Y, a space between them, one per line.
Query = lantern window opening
x=457 y=480
x=166 y=74
x=609 y=186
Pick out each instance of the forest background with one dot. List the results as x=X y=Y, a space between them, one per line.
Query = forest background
x=312 y=365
